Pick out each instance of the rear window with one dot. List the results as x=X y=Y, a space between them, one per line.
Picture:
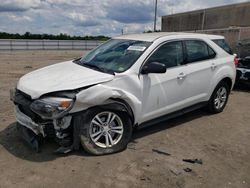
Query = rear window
x=222 y=43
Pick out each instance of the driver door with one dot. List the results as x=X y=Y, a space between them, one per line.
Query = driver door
x=165 y=92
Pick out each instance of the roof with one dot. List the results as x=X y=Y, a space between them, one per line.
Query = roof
x=151 y=37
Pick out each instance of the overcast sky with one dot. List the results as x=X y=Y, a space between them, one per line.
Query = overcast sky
x=91 y=17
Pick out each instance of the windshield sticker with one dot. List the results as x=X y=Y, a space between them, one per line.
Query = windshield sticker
x=121 y=69
x=137 y=48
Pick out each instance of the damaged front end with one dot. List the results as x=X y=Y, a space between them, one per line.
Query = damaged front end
x=44 y=118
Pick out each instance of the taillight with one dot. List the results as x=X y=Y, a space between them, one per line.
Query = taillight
x=236 y=62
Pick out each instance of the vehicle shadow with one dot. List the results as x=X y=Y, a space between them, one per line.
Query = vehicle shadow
x=145 y=131
x=14 y=144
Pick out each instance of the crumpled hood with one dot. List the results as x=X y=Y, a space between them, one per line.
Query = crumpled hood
x=60 y=77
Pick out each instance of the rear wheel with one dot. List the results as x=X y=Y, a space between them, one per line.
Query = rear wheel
x=105 y=131
x=219 y=98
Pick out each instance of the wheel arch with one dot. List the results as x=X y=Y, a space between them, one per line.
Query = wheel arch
x=227 y=80
x=119 y=105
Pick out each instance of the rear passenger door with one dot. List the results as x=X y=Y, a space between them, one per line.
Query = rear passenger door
x=201 y=65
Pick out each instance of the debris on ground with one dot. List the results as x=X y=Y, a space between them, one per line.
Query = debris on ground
x=161 y=152
x=198 y=161
x=187 y=169
x=131 y=146
x=175 y=171
x=145 y=178
x=28 y=67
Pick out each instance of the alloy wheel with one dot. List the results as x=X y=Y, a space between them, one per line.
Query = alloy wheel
x=220 y=98
x=106 y=129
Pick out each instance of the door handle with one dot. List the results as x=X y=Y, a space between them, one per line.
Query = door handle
x=181 y=76
x=213 y=66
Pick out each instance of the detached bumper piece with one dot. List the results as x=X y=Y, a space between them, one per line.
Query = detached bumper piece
x=33 y=140
x=32 y=133
x=27 y=122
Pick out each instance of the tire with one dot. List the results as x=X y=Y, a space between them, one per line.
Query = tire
x=220 y=94
x=89 y=129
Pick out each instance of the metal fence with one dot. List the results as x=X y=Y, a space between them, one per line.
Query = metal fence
x=233 y=35
x=16 y=44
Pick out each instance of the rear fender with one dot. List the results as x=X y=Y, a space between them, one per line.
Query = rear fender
x=223 y=72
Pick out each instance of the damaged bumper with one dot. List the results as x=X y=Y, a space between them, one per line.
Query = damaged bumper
x=30 y=131
x=27 y=122
x=34 y=129
x=34 y=133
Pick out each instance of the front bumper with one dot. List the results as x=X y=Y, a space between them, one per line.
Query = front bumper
x=27 y=122
x=243 y=75
x=35 y=130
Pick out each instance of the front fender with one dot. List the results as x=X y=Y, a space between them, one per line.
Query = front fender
x=102 y=95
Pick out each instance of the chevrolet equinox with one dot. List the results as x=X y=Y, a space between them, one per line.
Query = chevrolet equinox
x=129 y=81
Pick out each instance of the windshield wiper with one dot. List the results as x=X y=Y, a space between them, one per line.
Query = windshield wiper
x=77 y=61
x=93 y=66
x=84 y=63
x=96 y=67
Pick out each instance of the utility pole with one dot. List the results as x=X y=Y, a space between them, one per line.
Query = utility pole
x=155 y=15
x=203 y=19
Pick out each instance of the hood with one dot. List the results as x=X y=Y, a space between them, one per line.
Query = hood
x=60 y=77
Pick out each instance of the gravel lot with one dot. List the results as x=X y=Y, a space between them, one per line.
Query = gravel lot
x=221 y=141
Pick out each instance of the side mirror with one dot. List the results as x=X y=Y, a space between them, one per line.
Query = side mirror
x=154 y=67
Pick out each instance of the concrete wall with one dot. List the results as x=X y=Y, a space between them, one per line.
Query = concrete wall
x=212 y=18
x=232 y=22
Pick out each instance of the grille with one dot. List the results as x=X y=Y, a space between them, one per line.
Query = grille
x=49 y=130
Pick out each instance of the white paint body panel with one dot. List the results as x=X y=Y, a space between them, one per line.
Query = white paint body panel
x=149 y=96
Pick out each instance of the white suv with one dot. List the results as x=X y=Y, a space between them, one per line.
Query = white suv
x=129 y=81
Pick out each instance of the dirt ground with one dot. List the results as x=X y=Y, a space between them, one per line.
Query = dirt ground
x=221 y=141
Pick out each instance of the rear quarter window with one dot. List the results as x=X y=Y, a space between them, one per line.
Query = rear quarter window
x=223 y=44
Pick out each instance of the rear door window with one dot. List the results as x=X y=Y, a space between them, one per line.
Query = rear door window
x=223 y=44
x=198 y=50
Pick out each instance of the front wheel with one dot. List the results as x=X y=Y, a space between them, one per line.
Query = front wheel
x=105 y=131
x=219 y=98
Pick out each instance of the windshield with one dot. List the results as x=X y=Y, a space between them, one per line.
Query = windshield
x=115 y=55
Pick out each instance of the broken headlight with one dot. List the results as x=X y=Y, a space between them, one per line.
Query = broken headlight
x=52 y=107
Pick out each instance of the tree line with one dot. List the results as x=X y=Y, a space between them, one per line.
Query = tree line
x=61 y=36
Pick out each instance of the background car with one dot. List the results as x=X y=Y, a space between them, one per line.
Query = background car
x=243 y=71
